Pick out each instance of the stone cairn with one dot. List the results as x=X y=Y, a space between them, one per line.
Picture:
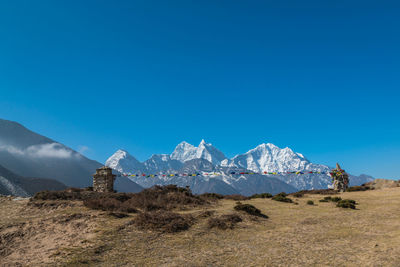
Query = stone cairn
x=103 y=180
x=340 y=179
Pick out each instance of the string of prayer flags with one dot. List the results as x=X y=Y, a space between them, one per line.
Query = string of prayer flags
x=219 y=174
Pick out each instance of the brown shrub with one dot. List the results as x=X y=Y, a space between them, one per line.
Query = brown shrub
x=165 y=197
x=206 y=214
x=317 y=192
x=211 y=196
x=155 y=198
x=282 y=198
x=359 y=188
x=250 y=209
x=164 y=221
x=236 y=197
x=347 y=204
x=51 y=204
x=298 y=194
x=224 y=222
x=262 y=195
x=108 y=204
x=118 y=215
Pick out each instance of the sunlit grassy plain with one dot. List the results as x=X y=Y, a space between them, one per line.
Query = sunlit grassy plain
x=293 y=235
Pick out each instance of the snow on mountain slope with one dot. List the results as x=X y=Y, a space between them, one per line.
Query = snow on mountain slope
x=187 y=158
x=270 y=158
x=185 y=151
x=122 y=161
x=161 y=162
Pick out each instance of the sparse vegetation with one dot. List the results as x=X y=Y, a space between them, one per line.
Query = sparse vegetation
x=318 y=192
x=298 y=194
x=212 y=196
x=224 y=222
x=165 y=197
x=155 y=198
x=330 y=199
x=359 y=188
x=262 y=195
x=347 y=204
x=310 y=202
x=109 y=204
x=164 y=221
x=282 y=197
x=236 y=197
x=250 y=209
x=69 y=234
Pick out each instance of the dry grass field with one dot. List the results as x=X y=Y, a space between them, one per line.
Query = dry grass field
x=69 y=234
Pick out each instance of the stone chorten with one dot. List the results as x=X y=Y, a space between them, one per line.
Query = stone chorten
x=103 y=180
x=340 y=179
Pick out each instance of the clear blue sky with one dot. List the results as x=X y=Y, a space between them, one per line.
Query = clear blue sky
x=322 y=77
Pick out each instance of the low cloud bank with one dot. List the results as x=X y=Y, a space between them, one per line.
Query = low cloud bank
x=52 y=150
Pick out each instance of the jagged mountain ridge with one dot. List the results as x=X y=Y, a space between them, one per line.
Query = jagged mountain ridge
x=206 y=158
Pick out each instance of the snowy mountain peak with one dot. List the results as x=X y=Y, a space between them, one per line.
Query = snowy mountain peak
x=121 y=160
x=185 y=151
x=268 y=157
x=265 y=157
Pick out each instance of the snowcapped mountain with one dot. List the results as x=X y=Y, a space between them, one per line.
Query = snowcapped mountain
x=160 y=162
x=187 y=158
x=270 y=158
x=184 y=152
x=122 y=161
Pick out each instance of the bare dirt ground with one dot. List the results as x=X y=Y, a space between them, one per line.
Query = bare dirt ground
x=68 y=234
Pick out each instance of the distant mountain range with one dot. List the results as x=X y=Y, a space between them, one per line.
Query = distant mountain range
x=24 y=153
x=207 y=158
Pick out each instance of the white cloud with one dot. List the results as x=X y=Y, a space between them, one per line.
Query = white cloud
x=83 y=149
x=52 y=150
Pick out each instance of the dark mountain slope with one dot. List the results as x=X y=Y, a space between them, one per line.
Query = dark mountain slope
x=13 y=184
x=29 y=154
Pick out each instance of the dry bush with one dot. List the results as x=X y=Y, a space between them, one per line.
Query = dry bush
x=282 y=198
x=359 y=188
x=236 y=197
x=318 y=192
x=347 y=204
x=224 y=222
x=211 y=196
x=108 y=204
x=250 y=209
x=155 y=198
x=118 y=215
x=310 y=202
x=164 y=197
x=59 y=195
x=331 y=199
x=164 y=221
x=262 y=195
x=77 y=194
x=51 y=204
x=206 y=214
x=298 y=194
